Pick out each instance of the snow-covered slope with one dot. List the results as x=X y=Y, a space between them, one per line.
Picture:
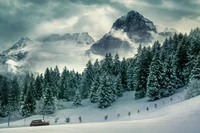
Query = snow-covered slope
x=171 y=117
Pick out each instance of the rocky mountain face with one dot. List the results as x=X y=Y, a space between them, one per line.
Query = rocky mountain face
x=130 y=29
x=79 y=39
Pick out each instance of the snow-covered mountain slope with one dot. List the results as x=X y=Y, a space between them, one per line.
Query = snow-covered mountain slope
x=171 y=117
x=16 y=56
x=79 y=39
x=26 y=55
x=127 y=33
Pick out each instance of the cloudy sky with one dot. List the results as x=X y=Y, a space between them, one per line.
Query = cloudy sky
x=38 y=18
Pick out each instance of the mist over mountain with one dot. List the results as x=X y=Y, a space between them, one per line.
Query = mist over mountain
x=27 y=55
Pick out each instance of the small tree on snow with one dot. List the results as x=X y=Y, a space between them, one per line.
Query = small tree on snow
x=77 y=99
x=194 y=85
x=46 y=105
x=193 y=89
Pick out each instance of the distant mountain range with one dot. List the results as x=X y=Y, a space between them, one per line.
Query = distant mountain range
x=125 y=35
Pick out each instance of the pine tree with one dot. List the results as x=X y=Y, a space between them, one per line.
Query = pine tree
x=64 y=85
x=118 y=88
x=49 y=102
x=13 y=99
x=38 y=88
x=4 y=90
x=116 y=65
x=86 y=80
x=123 y=73
x=169 y=78
x=94 y=90
x=195 y=73
x=29 y=105
x=193 y=89
x=129 y=75
x=153 y=85
x=55 y=77
x=141 y=72
x=77 y=99
x=105 y=92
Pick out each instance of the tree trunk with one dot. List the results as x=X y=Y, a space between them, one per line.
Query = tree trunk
x=43 y=116
x=9 y=120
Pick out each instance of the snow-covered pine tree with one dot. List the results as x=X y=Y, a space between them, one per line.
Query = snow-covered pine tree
x=38 y=88
x=195 y=73
x=141 y=71
x=74 y=83
x=107 y=64
x=94 y=90
x=77 y=99
x=64 y=86
x=49 y=101
x=116 y=65
x=105 y=97
x=169 y=78
x=193 y=89
x=123 y=73
x=129 y=74
x=29 y=105
x=180 y=60
x=118 y=88
x=86 y=81
x=4 y=89
x=153 y=86
x=55 y=81
x=13 y=99
x=47 y=76
x=194 y=84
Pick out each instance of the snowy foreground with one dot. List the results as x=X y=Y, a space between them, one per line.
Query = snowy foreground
x=177 y=116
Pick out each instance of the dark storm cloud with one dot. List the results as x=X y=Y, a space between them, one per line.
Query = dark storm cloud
x=19 y=18
x=179 y=9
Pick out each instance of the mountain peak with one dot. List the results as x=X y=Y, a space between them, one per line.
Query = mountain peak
x=127 y=31
x=136 y=26
x=21 y=43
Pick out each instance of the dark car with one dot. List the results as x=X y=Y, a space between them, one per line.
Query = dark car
x=39 y=123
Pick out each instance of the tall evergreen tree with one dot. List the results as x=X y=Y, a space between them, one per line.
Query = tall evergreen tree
x=29 y=105
x=141 y=71
x=38 y=88
x=153 y=85
x=123 y=73
x=195 y=73
x=94 y=90
x=105 y=92
x=86 y=81
x=4 y=90
x=13 y=99
x=116 y=65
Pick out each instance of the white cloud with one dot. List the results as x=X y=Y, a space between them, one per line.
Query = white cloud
x=186 y=24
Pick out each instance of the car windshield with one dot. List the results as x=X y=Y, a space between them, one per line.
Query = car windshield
x=37 y=121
